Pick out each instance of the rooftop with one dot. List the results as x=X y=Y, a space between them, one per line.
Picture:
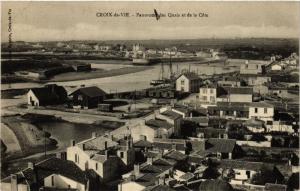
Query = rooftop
x=91 y=92
x=171 y=114
x=48 y=167
x=245 y=165
x=158 y=123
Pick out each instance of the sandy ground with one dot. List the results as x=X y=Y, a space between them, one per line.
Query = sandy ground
x=9 y=139
x=28 y=135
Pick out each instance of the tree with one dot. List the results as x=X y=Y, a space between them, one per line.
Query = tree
x=265 y=175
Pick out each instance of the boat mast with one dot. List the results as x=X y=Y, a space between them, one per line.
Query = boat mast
x=162 y=70
x=170 y=65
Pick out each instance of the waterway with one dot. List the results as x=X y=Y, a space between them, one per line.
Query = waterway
x=64 y=132
x=134 y=81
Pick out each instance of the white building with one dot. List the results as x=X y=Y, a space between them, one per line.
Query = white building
x=96 y=154
x=188 y=82
x=261 y=110
x=59 y=181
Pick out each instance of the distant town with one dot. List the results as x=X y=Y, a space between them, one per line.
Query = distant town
x=206 y=115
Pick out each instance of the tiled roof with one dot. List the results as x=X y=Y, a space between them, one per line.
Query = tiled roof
x=239 y=90
x=151 y=171
x=275 y=187
x=158 y=123
x=220 y=145
x=175 y=155
x=48 y=167
x=171 y=114
x=90 y=91
x=198 y=119
x=168 y=144
x=159 y=188
x=142 y=143
x=98 y=143
x=238 y=164
x=190 y=76
x=187 y=176
x=260 y=104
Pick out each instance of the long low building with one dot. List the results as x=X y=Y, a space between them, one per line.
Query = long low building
x=243 y=110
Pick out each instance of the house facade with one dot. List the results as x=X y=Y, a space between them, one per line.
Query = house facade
x=103 y=155
x=243 y=110
x=240 y=94
x=49 y=95
x=188 y=82
x=88 y=97
x=251 y=68
x=261 y=110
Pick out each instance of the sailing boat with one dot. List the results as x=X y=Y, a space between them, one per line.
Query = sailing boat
x=163 y=80
x=160 y=81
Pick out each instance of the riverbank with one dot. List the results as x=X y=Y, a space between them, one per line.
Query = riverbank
x=30 y=138
x=71 y=76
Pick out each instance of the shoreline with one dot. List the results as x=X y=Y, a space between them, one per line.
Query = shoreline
x=74 y=76
x=71 y=76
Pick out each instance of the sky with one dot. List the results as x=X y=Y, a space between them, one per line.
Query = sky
x=61 y=21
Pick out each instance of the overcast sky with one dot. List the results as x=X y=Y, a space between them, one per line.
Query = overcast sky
x=44 y=21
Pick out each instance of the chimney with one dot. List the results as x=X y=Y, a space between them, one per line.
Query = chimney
x=73 y=143
x=94 y=134
x=112 y=137
x=136 y=169
x=14 y=182
x=161 y=153
x=105 y=145
x=61 y=155
x=149 y=160
x=161 y=180
x=174 y=146
x=31 y=165
x=106 y=154
x=132 y=177
x=83 y=146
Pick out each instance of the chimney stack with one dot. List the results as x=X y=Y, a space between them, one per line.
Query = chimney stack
x=106 y=154
x=83 y=146
x=105 y=145
x=31 y=165
x=136 y=168
x=73 y=143
x=150 y=160
x=174 y=146
x=94 y=134
x=14 y=182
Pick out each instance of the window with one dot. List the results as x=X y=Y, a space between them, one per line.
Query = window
x=204 y=91
x=121 y=155
x=96 y=166
x=205 y=98
x=212 y=98
x=182 y=89
x=78 y=159
x=75 y=158
x=211 y=91
x=265 y=110
x=52 y=180
x=255 y=110
x=182 y=82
